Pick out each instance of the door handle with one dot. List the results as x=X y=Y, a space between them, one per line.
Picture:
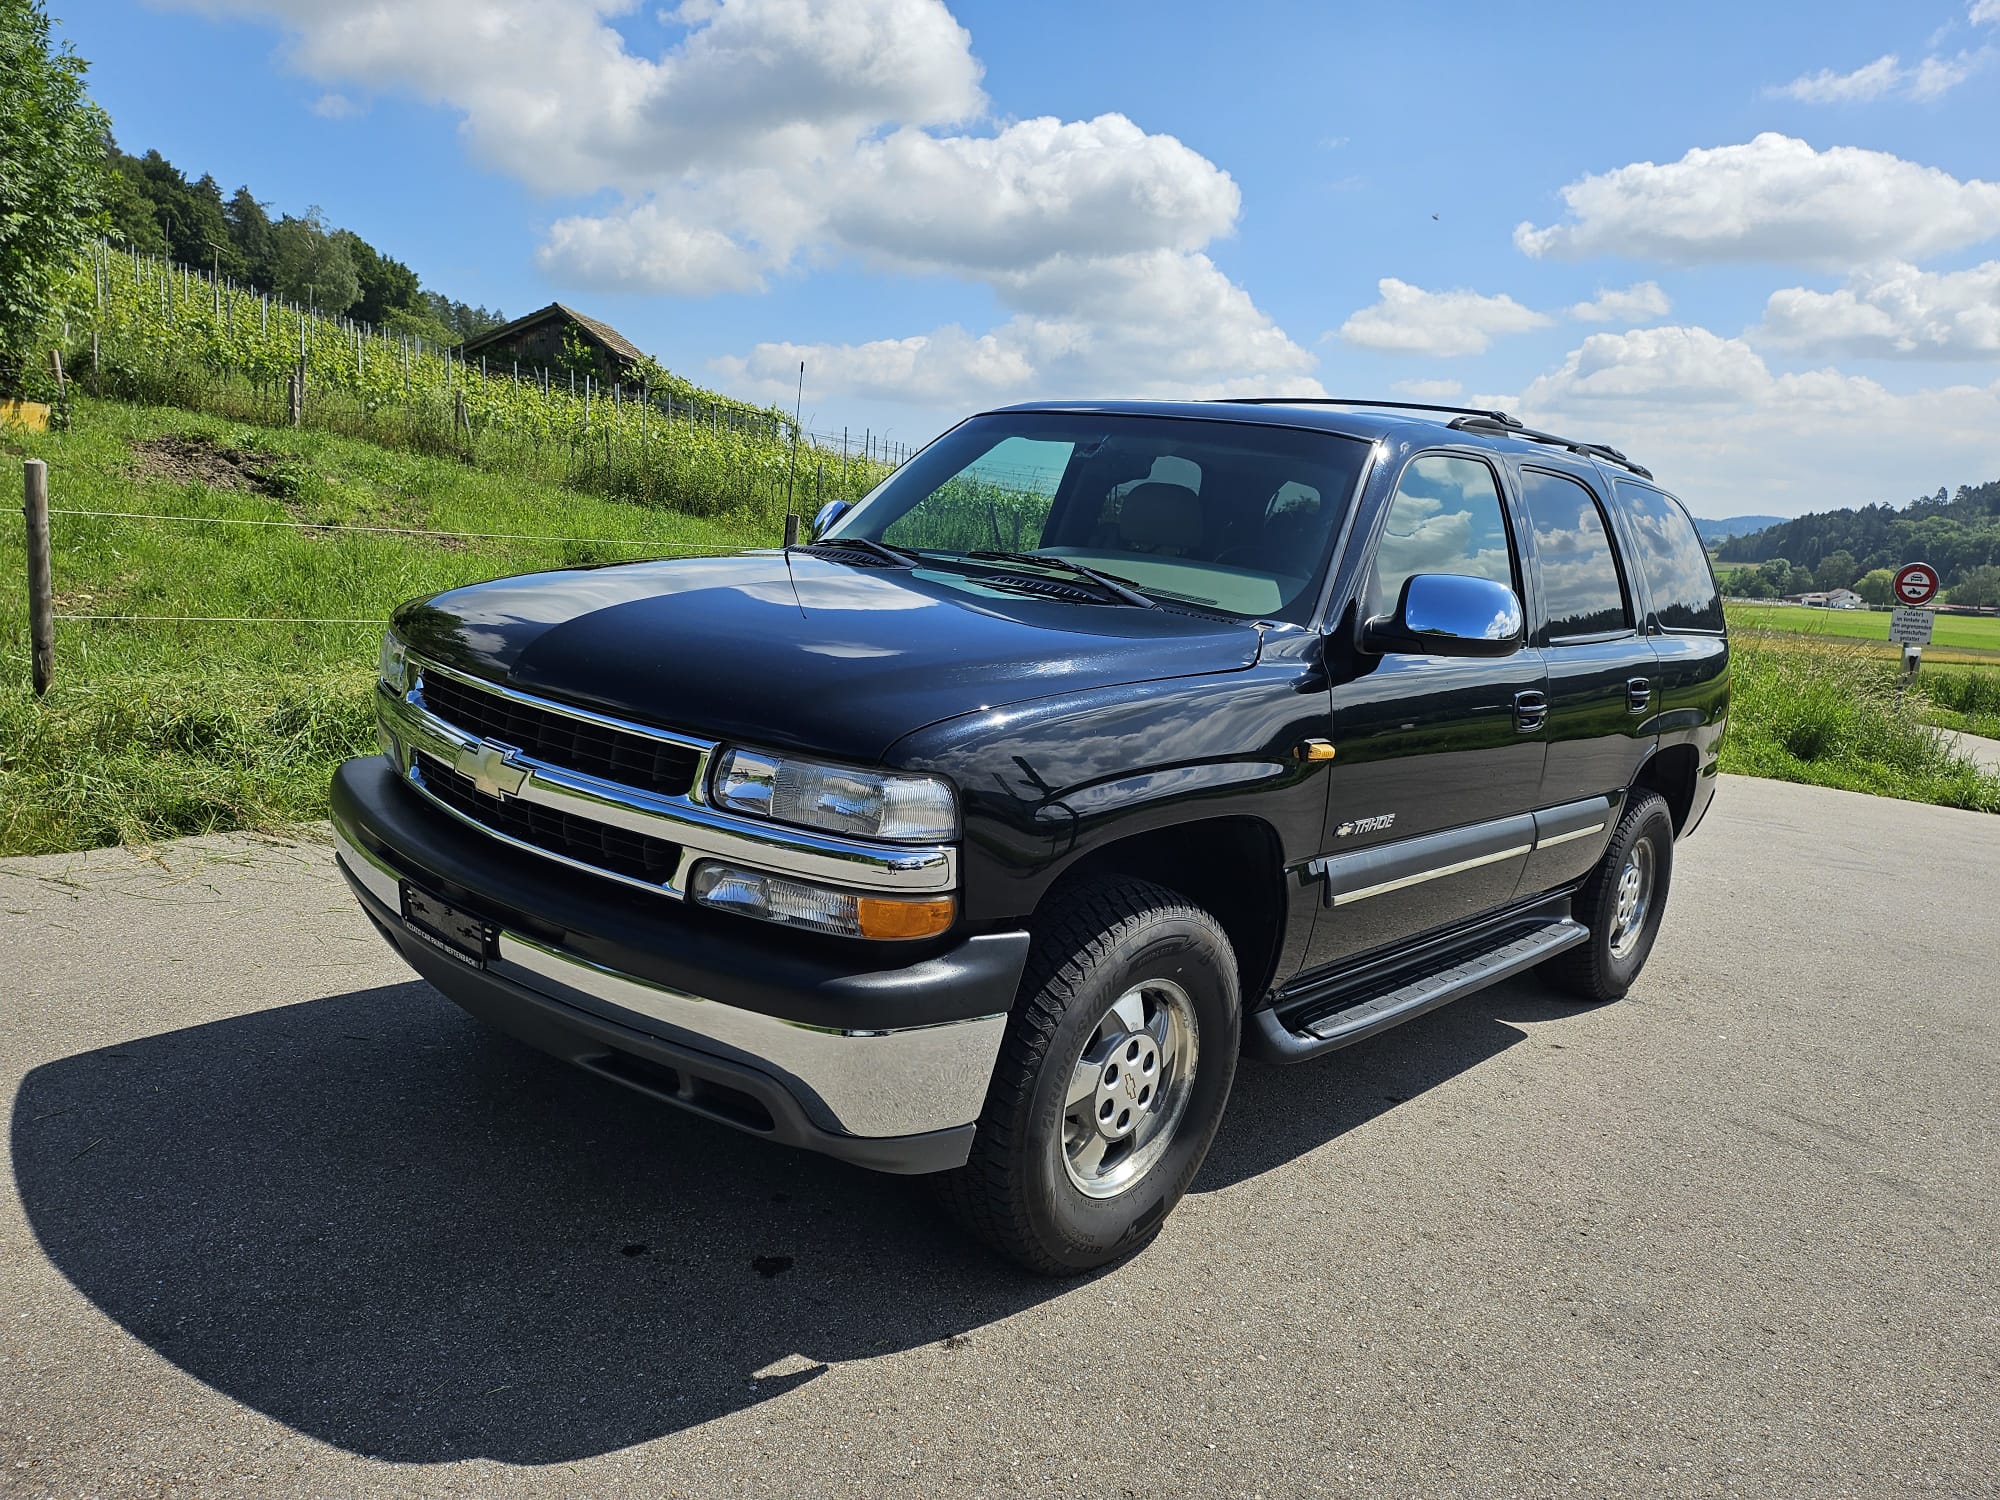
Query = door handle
x=1531 y=711
x=1639 y=694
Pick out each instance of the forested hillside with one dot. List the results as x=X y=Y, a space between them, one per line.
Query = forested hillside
x=153 y=208
x=1959 y=535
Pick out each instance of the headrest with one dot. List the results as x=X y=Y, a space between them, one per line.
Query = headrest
x=1158 y=517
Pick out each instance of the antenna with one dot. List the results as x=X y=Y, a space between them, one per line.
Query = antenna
x=792 y=479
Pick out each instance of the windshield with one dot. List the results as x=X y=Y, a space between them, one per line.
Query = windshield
x=1236 y=517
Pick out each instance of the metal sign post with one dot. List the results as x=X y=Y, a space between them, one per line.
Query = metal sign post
x=1910 y=623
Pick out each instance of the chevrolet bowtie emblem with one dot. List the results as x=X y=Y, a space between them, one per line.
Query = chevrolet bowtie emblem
x=492 y=769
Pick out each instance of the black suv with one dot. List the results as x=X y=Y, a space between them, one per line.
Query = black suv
x=978 y=834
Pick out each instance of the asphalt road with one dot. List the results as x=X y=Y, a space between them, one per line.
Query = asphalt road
x=279 y=1221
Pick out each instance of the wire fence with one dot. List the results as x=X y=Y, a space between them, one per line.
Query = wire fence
x=318 y=526
x=40 y=550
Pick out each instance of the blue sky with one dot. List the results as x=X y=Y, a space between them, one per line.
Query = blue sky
x=942 y=208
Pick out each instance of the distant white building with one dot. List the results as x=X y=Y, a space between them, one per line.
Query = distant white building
x=1830 y=599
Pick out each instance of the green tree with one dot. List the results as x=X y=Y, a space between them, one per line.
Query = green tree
x=418 y=325
x=51 y=180
x=1837 y=570
x=1774 y=579
x=250 y=230
x=1874 y=586
x=189 y=213
x=311 y=266
x=1979 y=589
x=128 y=209
x=386 y=284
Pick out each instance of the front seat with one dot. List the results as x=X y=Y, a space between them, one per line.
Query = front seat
x=1160 y=517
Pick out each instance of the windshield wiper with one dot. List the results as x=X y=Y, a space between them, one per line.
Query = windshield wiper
x=869 y=545
x=1116 y=587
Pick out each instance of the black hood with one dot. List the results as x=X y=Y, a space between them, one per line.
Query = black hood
x=803 y=652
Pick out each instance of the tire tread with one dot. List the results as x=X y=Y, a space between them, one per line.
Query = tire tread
x=1585 y=970
x=986 y=1196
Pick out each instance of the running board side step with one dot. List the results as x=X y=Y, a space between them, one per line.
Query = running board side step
x=1324 y=1028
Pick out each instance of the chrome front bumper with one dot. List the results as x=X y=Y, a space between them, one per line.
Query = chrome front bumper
x=851 y=1086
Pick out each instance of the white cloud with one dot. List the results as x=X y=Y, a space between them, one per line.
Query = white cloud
x=334 y=107
x=1409 y=320
x=646 y=249
x=1772 y=199
x=1984 y=13
x=1937 y=76
x=1159 y=323
x=1895 y=311
x=774 y=136
x=550 y=94
x=1428 y=390
x=1828 y=87
x=1728 y=434
x=1639 y=303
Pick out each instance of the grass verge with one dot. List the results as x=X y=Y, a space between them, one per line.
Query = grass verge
x=1828 y=713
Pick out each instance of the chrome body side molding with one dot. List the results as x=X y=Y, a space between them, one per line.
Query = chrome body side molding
x=1386 y=868
x=1377 y=871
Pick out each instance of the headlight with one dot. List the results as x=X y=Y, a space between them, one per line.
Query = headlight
x=394 y=663
x=816 y=908
x=864 y=804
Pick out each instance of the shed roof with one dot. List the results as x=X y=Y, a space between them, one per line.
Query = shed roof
x=601 y=331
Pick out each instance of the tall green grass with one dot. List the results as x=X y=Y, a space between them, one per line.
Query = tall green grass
x=156 y=730
x=1831 y=713
x=1964 y=698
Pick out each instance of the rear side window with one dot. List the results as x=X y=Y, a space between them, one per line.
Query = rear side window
x=1446 y=518
x=1580 y=586
x=1673 y=559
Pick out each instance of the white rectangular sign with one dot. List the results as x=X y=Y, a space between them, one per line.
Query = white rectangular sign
x=1911 y=627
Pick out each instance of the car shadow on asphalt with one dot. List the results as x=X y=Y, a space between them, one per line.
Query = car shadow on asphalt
x=373 y=1220
x=1278 y=1113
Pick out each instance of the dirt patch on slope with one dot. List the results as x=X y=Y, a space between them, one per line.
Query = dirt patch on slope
x=177 y=459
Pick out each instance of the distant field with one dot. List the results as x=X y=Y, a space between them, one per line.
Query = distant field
x=1970 y=638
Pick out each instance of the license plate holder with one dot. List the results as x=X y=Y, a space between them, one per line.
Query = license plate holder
x=455 y=933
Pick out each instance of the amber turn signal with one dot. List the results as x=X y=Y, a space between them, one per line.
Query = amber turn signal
x=1315 y=750
x=881 y=918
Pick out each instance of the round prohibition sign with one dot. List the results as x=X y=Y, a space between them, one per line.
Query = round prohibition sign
x=1916 y=583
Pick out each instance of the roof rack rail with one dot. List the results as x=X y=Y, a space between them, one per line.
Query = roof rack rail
x=1467 y=419
x=1499 y=417
x=1482 y=422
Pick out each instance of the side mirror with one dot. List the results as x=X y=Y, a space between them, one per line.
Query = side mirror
x=830 y=512
x=1449 y=614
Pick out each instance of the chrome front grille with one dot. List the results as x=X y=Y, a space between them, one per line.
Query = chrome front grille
x=636 y=856
x=561 y=739
x=608 y=796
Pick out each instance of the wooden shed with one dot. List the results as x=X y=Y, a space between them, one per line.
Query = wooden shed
x=536 y=342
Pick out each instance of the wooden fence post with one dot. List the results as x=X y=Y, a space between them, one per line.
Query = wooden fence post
x=41 y=593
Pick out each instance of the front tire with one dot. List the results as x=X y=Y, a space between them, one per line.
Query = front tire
x=1110 y=1083
x=1622 y=903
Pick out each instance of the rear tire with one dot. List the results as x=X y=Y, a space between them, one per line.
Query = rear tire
x=1621 y=903
x=1110 y=1082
